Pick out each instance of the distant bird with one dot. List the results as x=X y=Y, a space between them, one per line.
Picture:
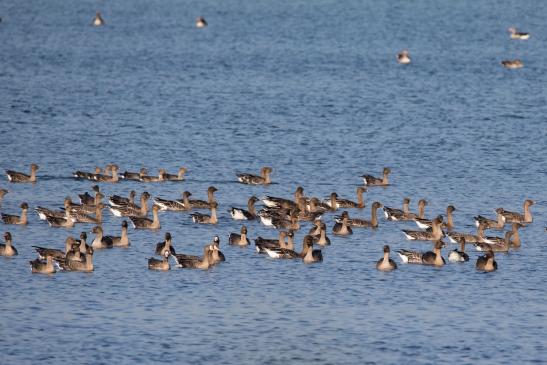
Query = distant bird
x=512 y=64
x=386 y=263
x=513 y=217
x=42 y=266
x=6 y=248
x=370 y=180
x=196 y=262
x=15 y=219
x=178 y=177
x=201 y=22
x=165 y=245
x=19 y=177
x=242 y=214
x=2 y=193
x=160 y=265
x=403 y=57
x=239 y=239
x=459 y=255
x=424 y=258
x=515 y=34
x=263 y=179
x=97 y=20
x=486 y=262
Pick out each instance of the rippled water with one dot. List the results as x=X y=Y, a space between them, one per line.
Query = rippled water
x=312 y=89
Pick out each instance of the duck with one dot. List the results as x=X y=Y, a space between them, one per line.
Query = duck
x=205 y=218
x=19 y=177
x=165 y=245
x=202 y=204
x=15 y=219
x=217 y=255
x=88 y=199
x=263 y=179
x=146 y=223
x=339 y=203
x=394 y=214
x=276 y=202
x=495 y=244
x=459 y=255
x=322 y=239
x=84 y=265
x=370 y=180
x=311 y=255
x=178 y=177
x=87 y=175
x=342 y=228
x=44 y=252
x=403 y=57
x=514 y=34
x=486 y=262
x=100 y=241
x=262 y=243
x=424 y=223
x=512 y=217
x=424 y=258
x=121 y=201
x=196 y=262
x=132 y=210
x=386 y=263
x=160 y=265
x=135 y=176
x=6 y=248
x=2 y=193
x=239 y=239
x=363 y=223
x=487 y=223
x=112 y=178
x=242 y=214
x=512 y=64
x=201 y=22
x=159 y=178
x=97 y=20
x=435 y=234
x=174 y=205
x=43 y=266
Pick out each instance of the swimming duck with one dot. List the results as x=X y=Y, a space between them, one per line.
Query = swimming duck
x=239 y=239
x=146 y=223
x=19 y=177
x=403 y=57
x=263 y=179
x=42 y=267
x=6 y=248
x=159 y=178
x=486 y=262
x=512 y=63
x=2 y=193
x=196 y=262
x=87 y=175
x=160 y=265
x=322 y=238
x=174 y=205
x=132 y=210
x=165 y=245
x=386 y=263
x=205 y=218
x=435 y=234
x=512 y=217
x=201 y=22
x=136 y=176
x=87 y=198
x=487 y=223
x=97 y=20
x=242 y=214
x=495 y=244
x=177 y=177
x=119 y=201
x=15 y=219
x=202 y=204
x=424 y=258
x=459 y=255
x=342 y=228
x=514 y=34
x=363 y=223
x=394 y=214
x=370 y=180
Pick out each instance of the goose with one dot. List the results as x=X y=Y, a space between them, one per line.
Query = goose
x=512 y=64
x=113 y=178
x=217 y=255
x=342 y=228
x=242 y=214
x=316 y=229
x=512 y=217
x=100 y=241
x=165 y=245
x=15 y=219
x=123 y=240
x=459 y=255
x=85 y=265
x=19 y=177
x=57 y=222
x=160 y=265
x=263 y=179
x=42 y=267
x=174 y=205
x=146 y=223
x=201 y=22
x=495 y=244
x=86 y=209
x=196 y=262
x=363 y=223
x=486 y=262
x=316 y=206
x=322 y=238
x=370 y=180
x=435 y=234
x=276 y=202
x=424 y=223
x=269 y=215
x=262 y=243
x=83 y=247
x=515 y=239
x=403 y=57
x=386 y=263
x=87 y=198
x=286 y=253
x=159 y=178
x=135 y=176
x=84 y=218
x=2 y=193
x=514 y=34
x=44 y=213
x=454 y=237
x=304 y=213
x=394 y=214
x=311 y=255
x=6 y=248
x=44 y=252
x=205 y=218
x=338 y=203
x=119 y=201
x=424 y=258
x=177 y=177
x=87 y=175
x=97 y=20
x=239 y=239
x=291 y=223
x=498 y=223
x=132 y=210
x=202 y=204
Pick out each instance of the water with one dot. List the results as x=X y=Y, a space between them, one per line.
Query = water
x=312 y=89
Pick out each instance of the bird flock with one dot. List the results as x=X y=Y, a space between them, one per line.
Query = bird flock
x=287 y=215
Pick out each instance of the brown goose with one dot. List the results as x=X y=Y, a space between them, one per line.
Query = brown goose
x=403 y=57
x=202 y=204
x=165 y=245
x=135 y=176
x=262 y=243
x=316 y=206
x=263 y=179
x=196 y=262
x=276 y=202
x=177 y=177
x=512 y=64
x=84 y=208
x=97 y=20
x=486 y=262
x=424 y=258
x=6 y=248
x=363 y=223
x=217 y=255
x=100 y=241
x=495 y=244
x=84 y=265
x=56 y=254
x=123 y=240
x=304 y=213
x=322 y=238
x=370 y=180
x=146 y=223
x=455 y=237
x=15 y=219
x=311 y=255
x=459 y=255
x=342 y=228
x=285 y=253
x=424 y=223
x=159 y=178
x=42 y=267
x=87 y=175
x=239 y=239
x=515 y=239
x=242 y=214
x=205 y=218
x=394 y=214
x=84 y=218
x=512 y=217
x=119 y=201
x=160 y=265
x=316 y=229
x=113 y=178
x=345 y=203
x=435 y=234
x=498 y=223
x=19 y=177
x=174 y=205
x=88 y=199
x=386 y=263
x=2 y=193
x=132 y=210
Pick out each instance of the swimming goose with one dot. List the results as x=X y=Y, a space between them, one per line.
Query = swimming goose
x=316 y=229
x=435 y=234
x=512 y=217
x=495 y=244
x=242 y=214
x=118 y=201
x=146 y=223
x=486 y=262
x=316 y=206
x=275 y=202
x=44 y=252
x=19 y=177
x=498 y=223
x=87 y=175
x=6 y=248
x=132 y=210
x=286 y=253
x=160 y=265
x=403 y=57
x=304 y=213
x=201 y=22
x=394 y=214
x=136 y=176
x=205 y=218
x=370 y=180
x=174 y=205
x=263 y=179
x=386 y=263
x=84 y=218
x=15 y=219
x=262 y=243
x=42 y=267
x=216 y=255
x=83 y=265
x=424 y=258
x=291 y=223
x=239 y=239
x=83 y=247
x=268 y=215
x=455 y=237
x=2 y=193
x=123 y=240
x=113 y=178
x=346 y=203
x=515 y=238
x=363 y=223
x=159 y=178
x=459 y=255
x=424 y=223
x=97 y=20
x=44 y=213
x=84 y=208
x=311 y=255
x=57 y=222
x=100 y=241
x=322 y=238
x=87 y=198
x=342 y=228
x=177 y=177
x=165 y=245
x=202 y=204
x=196 y=262
x=516 y=34
x=512 y=64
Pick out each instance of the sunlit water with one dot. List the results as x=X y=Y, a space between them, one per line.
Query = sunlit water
x=312 y=89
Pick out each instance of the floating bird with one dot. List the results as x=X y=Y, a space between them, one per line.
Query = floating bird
x=386 y=263
x=263 y=179
x=19 y=177
x=459 y=255
x=424 y=258
x=15 y=219
x=160 y=265
x=97 y=20
x=403 y=57
x=486 y=262
x=201 y=22
x=514 y=34
x=370 y=180
x=6 y=248
x=512 y=64
x=239 y=239
x=242 y=214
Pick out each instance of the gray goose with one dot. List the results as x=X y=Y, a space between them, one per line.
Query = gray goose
x=146 y=223
x=119 y=201
x=370 y=180
x=239 y=239
x=424 y=258
x=512 y=217
x=42 y=266
x=435 y=234
x=486 y=262
x=174 y=205
x=487 y=223
x=159 y=178
x=6 y=248
x=132 y=210
x=19 y=177
x=160 y=265
x=87 y=175
x=242 y=214
x=363 y=223
x=196 y=262
x=386 y=263
x=165 y=245
x=342 y=228
x=178 y=177
x=135 y=176
x=15 y=219
x=205 y=218
x=88 y=199
x=202 y=204
x=394 y=214
x=263 y=179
